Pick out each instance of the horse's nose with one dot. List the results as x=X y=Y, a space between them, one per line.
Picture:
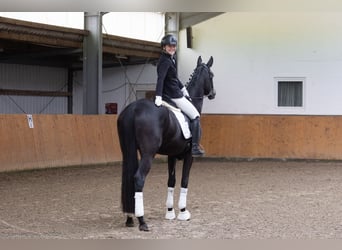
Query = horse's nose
x=212 y=94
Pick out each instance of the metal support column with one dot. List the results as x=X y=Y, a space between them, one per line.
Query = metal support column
x=92 y=64
x=172 y=23
x=70 y=90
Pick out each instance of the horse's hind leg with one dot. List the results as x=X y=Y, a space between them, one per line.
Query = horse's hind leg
x=170 y=212
x=139 y=180
x=129 y=221
x=184 y=213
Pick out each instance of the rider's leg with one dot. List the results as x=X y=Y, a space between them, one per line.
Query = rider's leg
x=189 y=109
x=196 y=136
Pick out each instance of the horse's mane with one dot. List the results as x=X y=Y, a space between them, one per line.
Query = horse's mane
x=194 y=76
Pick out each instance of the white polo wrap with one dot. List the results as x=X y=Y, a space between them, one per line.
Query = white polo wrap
x=182 y=198
x=169 y=199
x=139 y=204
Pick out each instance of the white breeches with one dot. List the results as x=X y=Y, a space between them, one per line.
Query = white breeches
x=187 y=107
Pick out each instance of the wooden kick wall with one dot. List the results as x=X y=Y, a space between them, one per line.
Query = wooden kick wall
x=57 y=140
x=273 y=136
x=68 y=140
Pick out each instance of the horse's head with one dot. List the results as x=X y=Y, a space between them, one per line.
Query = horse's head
x=201 y=83
x=207 y=77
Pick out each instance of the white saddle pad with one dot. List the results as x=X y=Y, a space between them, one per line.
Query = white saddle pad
x=181 y=119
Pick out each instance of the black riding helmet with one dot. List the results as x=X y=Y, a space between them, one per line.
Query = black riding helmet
x=168 y=40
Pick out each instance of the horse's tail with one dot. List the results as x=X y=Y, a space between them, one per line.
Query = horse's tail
x=126 y=131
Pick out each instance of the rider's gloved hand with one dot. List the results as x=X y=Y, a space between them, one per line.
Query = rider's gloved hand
x=158 y=101
x=186 y=93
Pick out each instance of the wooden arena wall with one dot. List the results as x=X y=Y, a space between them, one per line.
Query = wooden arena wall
x=57 y=140
x=69 y=140
x=273 y=136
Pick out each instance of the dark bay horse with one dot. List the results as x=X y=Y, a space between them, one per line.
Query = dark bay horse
x=151 y=130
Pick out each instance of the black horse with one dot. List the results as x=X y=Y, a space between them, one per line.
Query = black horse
x=151 y=130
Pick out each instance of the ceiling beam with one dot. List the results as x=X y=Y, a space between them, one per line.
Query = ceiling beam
x=188 y=19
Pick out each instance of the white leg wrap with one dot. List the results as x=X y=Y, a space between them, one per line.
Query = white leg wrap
x=139 y=204
x=182 y=198
x=169 y=199
x=170 y=214
x=185 y=215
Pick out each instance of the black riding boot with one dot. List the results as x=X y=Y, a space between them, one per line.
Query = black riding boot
x=196 y=136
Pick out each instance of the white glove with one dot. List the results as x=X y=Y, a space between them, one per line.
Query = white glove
x=158 y=101
x=185 y=92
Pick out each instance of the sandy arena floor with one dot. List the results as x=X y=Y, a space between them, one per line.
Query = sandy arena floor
x=227 y=199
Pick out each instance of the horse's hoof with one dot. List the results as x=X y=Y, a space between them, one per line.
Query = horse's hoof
x=185 y=215
x=129 y=222
x=170 y=215
x=144 y=227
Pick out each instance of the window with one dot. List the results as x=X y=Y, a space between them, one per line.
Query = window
x=290 y=92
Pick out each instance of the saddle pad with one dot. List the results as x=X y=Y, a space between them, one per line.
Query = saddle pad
x=181 y=120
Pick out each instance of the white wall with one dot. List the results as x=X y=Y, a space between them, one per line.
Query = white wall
x=251 y=49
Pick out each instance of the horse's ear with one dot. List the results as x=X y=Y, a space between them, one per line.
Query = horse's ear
x=199 y=61
x=210 y=62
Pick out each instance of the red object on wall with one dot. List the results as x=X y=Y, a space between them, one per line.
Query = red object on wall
x=111 y=108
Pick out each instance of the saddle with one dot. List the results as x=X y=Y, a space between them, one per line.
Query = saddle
x=182 y=119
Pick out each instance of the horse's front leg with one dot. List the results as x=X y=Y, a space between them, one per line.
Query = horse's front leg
x=170 y=212
x=184 y=214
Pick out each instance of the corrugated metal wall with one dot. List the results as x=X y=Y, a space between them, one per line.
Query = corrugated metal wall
x=26 y=77
x=119 y=85
x=116 y=87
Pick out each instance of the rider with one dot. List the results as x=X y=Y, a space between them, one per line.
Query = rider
x=170 y=87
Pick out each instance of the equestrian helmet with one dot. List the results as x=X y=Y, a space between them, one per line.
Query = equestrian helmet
x=169 y=40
